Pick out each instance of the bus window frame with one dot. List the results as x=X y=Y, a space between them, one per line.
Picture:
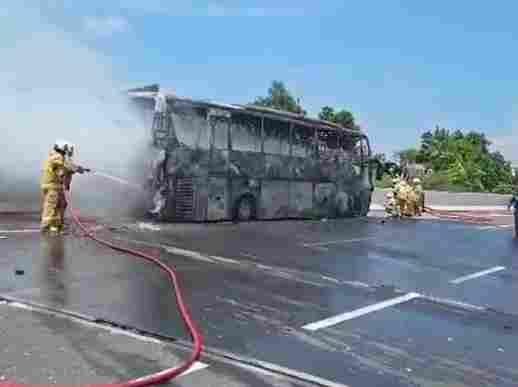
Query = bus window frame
x=261 y=130
x=313 y=152
x=263 y=138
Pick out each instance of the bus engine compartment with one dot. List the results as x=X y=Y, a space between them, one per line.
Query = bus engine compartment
x=214 y=162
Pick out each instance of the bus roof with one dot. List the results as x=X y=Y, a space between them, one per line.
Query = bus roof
x=251 y=109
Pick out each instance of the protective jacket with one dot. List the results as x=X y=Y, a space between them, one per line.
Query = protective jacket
x=53 y=172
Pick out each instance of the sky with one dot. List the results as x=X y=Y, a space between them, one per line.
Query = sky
x=402 y=67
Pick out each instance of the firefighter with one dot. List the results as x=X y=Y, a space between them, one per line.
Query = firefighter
x=396 y=188
x=402 y=197
x=54 y=171
x=390 y=206
x=419 y=191
x=513 y=203
x=411 y=202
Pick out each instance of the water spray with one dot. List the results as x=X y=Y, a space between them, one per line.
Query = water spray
x=117 y=180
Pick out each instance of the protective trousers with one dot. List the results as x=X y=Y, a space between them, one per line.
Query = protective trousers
x=62 y=207
x=51 y=217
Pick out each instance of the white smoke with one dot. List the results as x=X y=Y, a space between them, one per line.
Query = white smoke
x=54 y=87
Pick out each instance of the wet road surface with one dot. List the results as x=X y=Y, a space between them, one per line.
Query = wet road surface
x=254 y=287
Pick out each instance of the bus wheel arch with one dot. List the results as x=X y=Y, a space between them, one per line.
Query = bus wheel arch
x=245 y=208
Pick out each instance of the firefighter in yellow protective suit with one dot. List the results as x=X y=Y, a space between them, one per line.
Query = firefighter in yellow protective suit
x=390 y=206
x=402 y=194
x=419 y=191
x=55 y=172
x=412 y=201
x=393 y=201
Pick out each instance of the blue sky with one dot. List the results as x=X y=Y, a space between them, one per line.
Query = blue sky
x=400 y=66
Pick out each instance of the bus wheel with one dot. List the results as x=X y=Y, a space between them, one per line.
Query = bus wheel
x=245 y=209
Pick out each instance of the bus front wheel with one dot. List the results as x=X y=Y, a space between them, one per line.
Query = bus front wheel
x=245 y=209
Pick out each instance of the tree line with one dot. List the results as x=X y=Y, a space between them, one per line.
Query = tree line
x=460 y=161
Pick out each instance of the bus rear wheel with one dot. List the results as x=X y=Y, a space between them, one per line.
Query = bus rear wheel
x=245 y=209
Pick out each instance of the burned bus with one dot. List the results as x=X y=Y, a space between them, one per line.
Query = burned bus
x=233 y=162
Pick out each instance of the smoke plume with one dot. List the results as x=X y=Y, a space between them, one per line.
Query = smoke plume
x=54 y=87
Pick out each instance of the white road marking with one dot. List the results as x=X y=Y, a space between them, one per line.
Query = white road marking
x=198 y=366
x=336 y=242
x=359 y=312
x=24 y=231
x=477 y=275
x=188 y=253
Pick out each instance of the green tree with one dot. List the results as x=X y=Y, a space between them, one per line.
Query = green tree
x=343 y=117
x=407 y=156
x=464 y=159
x=279 y=97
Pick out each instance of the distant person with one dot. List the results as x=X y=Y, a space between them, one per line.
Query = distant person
x=396 y=195
x=513 y=203
x=419 y=191
x=390 y=206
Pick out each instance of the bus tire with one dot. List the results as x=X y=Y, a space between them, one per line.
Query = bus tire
x=245 y=209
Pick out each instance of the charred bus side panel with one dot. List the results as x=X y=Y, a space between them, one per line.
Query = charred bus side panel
x=215 y=162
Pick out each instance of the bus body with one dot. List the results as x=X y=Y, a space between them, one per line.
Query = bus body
x=221 y=162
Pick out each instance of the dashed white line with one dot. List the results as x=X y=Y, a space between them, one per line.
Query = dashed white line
x=336 y=242
x=477 y=275
x=359 y=312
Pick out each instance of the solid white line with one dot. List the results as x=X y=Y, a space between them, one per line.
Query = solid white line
x=197 y=366
x=20 y=231
x=477 y=275
x=336 y=242
x=359 y=312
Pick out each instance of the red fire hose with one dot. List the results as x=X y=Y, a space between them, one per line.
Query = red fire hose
x=165 y=375
x=453 y=215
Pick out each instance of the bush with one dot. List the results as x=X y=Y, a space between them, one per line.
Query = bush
x=439 y=181
x=504 y=189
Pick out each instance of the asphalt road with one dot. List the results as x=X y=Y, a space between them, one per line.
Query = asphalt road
x=354 y=302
